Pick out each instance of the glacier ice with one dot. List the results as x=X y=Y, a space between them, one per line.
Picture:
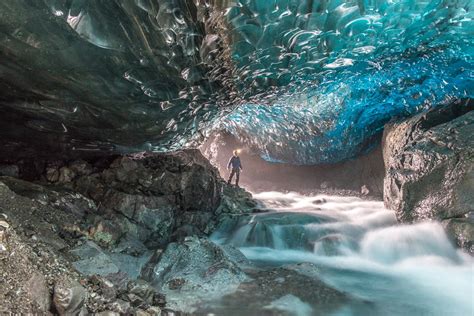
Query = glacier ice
x=303 y=81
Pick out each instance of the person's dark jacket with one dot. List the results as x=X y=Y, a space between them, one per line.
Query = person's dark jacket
x=235 y=163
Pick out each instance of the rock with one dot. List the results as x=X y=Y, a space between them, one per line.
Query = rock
x=9 y=171
x=154 y=311
x=193 y=270
x=80 y=167
x=462 y=231
x=142 y=290
x=281 y=291
x=92 y=260
x=69 y=298
x=155 y=213
x=333 y=245
x=98 y=220
x=4 y=227
x=106 y=287
x=236 y=201
x=106 y=233
x=120 y=306
x=52 y=174
x=108 y=313
x=38 y=292
x=364 y=190
x=66 y=175
x=430 y=165
x=131 y=247
x=156 y=197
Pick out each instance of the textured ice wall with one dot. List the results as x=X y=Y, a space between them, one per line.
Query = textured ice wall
x=312 y=81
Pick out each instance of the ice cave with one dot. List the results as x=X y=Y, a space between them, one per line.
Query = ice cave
x=237 y=157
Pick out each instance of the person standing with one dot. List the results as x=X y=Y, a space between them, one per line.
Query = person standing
x=236 y=165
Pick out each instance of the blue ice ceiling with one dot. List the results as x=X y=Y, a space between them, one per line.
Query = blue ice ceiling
x=304 y=82
x=348 y=67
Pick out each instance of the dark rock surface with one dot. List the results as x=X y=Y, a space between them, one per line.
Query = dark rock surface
x=74 y=240
x=429 y=160
x=194 y=270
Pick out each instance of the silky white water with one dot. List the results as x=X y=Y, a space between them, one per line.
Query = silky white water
x=399 y=269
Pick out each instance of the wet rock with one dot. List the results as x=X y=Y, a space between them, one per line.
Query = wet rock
x=92 y=260
x=333 y=245
x=193 y=270
x=69 y=298
x=236 y=201
x=430 y=165
x=280 y=291
x=120 y=306
x=131 y=247
x=462 y=229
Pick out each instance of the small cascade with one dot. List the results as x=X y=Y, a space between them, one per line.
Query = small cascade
x=361 y=250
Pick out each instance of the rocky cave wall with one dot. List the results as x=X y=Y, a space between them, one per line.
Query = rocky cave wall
x=429 y=160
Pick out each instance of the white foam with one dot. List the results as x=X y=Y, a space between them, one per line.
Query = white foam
x=403 y=269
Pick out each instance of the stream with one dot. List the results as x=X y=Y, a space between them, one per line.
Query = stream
x=359 y=249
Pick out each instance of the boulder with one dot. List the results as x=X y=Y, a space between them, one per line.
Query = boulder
x=156 y=198
x=93 y=260
x=429 y=160
x=69 y=298
x=194 y=270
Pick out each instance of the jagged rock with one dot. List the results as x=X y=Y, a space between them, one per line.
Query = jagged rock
x=193 y=270
x=69 y=298
x=430 y=165
x=236 y=201
x=156 y=197
x=92 y=260
x=104 y=217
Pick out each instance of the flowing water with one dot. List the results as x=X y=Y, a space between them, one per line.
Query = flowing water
x=361 y=250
